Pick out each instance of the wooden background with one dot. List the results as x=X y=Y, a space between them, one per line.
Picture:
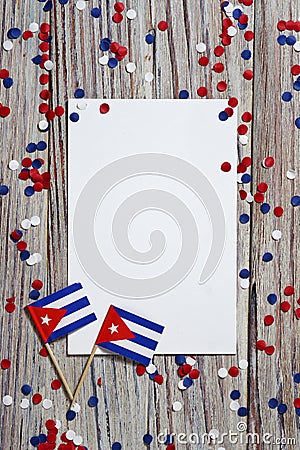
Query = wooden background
x=130 y=406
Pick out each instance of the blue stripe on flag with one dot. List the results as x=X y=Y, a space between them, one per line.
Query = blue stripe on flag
x=139 y=320
x=57 y=295
x=125 y=352
x=76 y=306
x=72 y=327
x=144 y=341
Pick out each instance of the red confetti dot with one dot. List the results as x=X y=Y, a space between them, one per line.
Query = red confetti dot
x=117 y=18
x=247 y=161
x=50 y=424
x=203 y=61
x=242 y=129
x=229 y=111
x=243 y=19
x=38 y=187
x=36 y=399
x=59 y=111
x=5 y=364
x=119 y=7
x=226 y=23
x=243 y=194
x=278 y=211
x=219 y=50
x=15 y=235
x=104 y=108
x=233 y=102
x=222 y=86
x=27 y=35
x=43 y=108
x=44 y=46
x=233 y=371
x=50 y=114
x=261 y=344
x=186 y=368
x=281 y=25
x=56 y=384
x=289 y=290
x=248 y=2
x=297 y=313
x=10 y=307
x=241 y=168
x=226 y=40
x=44 y=352
x=249 y=35
x=248 y=75
x=247 y=117
x=99 y=381
x=262 y=187
x=170 y=447
x=11 y=300
x=51 y=438
x=114 y=47
x=43 y=36
x=26 y=162
x=180 y=372
x=46 y=176
x=44 y=79
x=270 y=349
x=162 y=25
x=295 y=69
x=268 y=320
x=194 y=374
x=122 y=50
x=285 y=306
x=159 y=379
x=297 y=403
x=45 y=94
x=259 y=197
x=297 y=27
x=4 y=74
x=268 y=162
x=218 y=67
x=37 y=284
x=45 y=27
x=4 y=111
x=289 y=25
x=140 y=369
x=226 y=167
x=202 y=91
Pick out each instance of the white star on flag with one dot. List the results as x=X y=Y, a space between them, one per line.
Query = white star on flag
x=113 y=328
x=45 y=320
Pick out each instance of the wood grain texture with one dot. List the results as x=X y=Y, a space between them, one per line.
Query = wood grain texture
x=130 y=406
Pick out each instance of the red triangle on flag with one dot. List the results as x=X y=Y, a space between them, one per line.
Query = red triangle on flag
x=46 y=319
x=113 y=328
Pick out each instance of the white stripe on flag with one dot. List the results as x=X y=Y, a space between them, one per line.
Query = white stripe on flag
x=60 y=303
x=131 y=345
x=134 y=327
x=74 y=316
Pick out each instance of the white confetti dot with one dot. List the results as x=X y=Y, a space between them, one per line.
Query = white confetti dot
x=239 y=178
x=191 y=360
x=244 y=284
x=222 y=373
x=48 y=65
x=58 y=424
x=149 y=77
x=130 y=67
x=70 y=434
x=77 y=440
x=243 y=139
x=33 y=27
x=24 y=403
x=8 y=45
x=181 y=385
x=177 y=406
x=234 y=406
x=231 y=31
x=7 y=400
x=296 y=46
x=249 y=198
x=201 y=47
x=291 y=174
x=243 y=364
x=47 y=404
x=131 y=14
x=26 y=224
x=43 y=125
x=80 y=5
x=82 y=105
x=276 y=235
x=151 y=368
x=229 y=8
x=76 y=407
x=38 y=257
x=31 y=260
x=13 y=164
x=221 y=448
x=35 y=221
x=103 y=60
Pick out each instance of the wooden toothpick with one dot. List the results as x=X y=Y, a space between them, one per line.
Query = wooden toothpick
x=58 y=369
x=84 y=374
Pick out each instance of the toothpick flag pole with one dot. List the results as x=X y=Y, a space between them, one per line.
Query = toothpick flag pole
x=58 y=369
x=84 y=374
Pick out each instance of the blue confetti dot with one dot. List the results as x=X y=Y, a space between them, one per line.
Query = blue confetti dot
x=242 y=26
x=246 y=54
x=235 y=395
x=35 y=441
x=224 y=5
x=242 y=412
x=272 y=299
x=116 y=446
x=236 y=13
x=43 y=438
x=96 y=13
x=297 y=411
x=70 y=415
x=79 y=93
x=93 y=401
x=112 y=63
x=295 y=201
x=282 y=408
x=297 y=122
x=281 y=39
x=273 y=403
x=180 y=360
x=26 y=389
x=105 y=44
x=63 y=2
x=37 y=59
x=48 y=6
x=291 y=40
x=187 y=382
x=14 y=33
x=3 y=190
x=74 y=117
x=265 y=208
x=8 y=82
x=41 y=145
x=169 y=439
x=29 y=191
x=246 y=178
x=153 y=375
x=287 y=96
x=49 y=39
x=149 y=38
x=34 y=294
x=244 y=273
x=297 y=377
x=184 y=94
x=24 y=254
x=244 y=218
x=296 y=85
x=267 y=257
x=223 y=116
x=147 y=439
x=36 y=164
x=31 y=147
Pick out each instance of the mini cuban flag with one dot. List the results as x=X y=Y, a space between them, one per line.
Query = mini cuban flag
x=61 y=313
x=129 y=335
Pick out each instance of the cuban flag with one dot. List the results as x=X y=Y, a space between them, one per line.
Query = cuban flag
x=61 y=313
x=129 y=335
